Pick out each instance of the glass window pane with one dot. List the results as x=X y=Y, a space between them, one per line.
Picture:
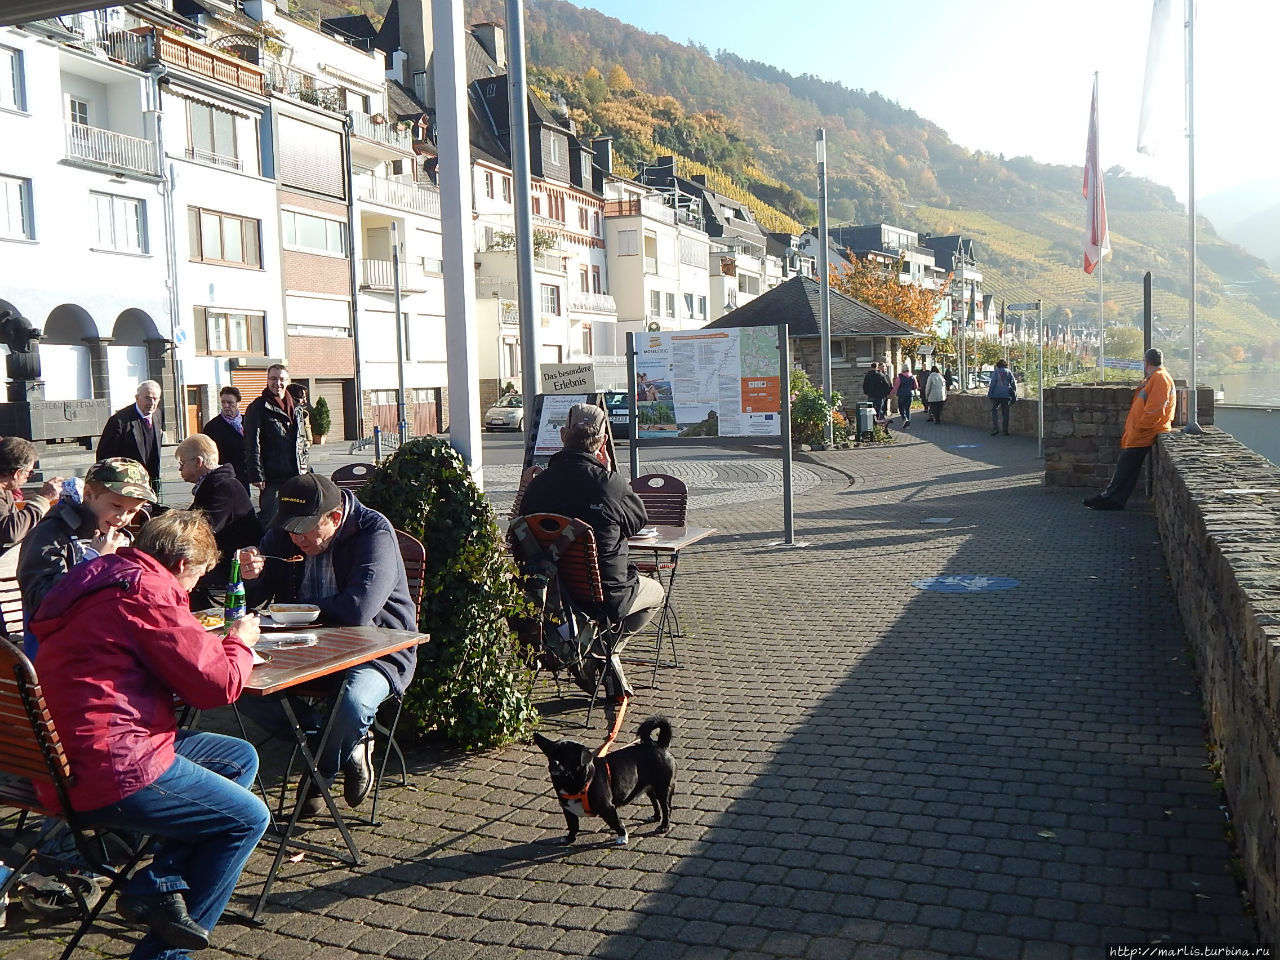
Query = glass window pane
x=232 y=247
x=251 y=243
x=102 y=236
x=239 y=338
x=201 y=128
x=289 y=226
x=217 y=326
x=311 y=233
x=224 y=133
x=335 y=242
x=210 y=235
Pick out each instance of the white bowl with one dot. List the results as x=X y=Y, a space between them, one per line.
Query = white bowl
x=293 y=614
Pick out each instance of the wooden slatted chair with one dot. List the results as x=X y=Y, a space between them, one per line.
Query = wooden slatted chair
x=666 y=501
x=353 y=476
x=11 y=609
x=31 y=755
x=571 y=545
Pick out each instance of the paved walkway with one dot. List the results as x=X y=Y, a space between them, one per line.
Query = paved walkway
x=867 y=769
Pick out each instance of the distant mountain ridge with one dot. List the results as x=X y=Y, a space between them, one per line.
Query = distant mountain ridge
x=1250 y=216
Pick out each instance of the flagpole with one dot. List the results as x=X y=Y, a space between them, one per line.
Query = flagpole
x=1102 y=319
x=1193 y=424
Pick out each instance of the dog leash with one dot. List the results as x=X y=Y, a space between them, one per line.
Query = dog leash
x=616 y=728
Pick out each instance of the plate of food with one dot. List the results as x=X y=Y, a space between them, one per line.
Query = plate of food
x=211 y=619
x=290 y=614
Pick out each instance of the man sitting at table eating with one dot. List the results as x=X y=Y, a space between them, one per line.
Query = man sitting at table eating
x=117 y=642
x=576 y=485
x=352 y=570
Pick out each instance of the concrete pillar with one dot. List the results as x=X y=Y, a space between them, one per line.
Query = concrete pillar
x=160 y=368
x=99 y=374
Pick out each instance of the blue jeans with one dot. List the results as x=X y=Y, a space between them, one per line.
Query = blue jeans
x=904 y=406
x=360 y=692
x=209 y=823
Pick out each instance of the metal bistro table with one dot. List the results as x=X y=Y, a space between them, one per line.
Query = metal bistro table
x=336 y=649
x=668 y=541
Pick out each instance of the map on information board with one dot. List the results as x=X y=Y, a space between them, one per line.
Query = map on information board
x=708 y=383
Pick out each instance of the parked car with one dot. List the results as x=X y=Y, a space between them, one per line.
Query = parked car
x=615 y=402
x=506 y=414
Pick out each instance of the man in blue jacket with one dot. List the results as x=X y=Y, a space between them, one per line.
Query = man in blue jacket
x=352 y=570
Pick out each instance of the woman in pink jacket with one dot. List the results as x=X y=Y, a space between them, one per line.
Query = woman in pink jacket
x=116 y=643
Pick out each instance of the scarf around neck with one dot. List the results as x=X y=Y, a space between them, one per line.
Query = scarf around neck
x=285 y=403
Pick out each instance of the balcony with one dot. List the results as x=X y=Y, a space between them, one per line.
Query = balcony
x=379 y=275
x=640 y=208
x=509 y=313
x=179 y=52
x=550 y=263
x=303 y=87
x=592 y=303
x=122 y=46
x=106 y=148
x=380 y=131
x=399 y=194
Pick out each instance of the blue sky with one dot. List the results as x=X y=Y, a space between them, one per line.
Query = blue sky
x=1015 y=76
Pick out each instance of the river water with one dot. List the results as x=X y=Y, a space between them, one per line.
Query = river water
x=1249 y=389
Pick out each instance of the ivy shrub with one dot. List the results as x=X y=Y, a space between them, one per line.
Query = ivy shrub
x=810 y=411
x=472 y=686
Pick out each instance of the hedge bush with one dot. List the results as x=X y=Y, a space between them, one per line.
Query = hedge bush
x=471 y=687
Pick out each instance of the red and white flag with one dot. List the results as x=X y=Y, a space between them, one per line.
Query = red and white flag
x=1097 y=239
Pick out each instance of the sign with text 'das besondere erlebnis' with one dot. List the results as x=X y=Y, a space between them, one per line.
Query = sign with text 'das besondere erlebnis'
x=708 y=383
x=558 y=378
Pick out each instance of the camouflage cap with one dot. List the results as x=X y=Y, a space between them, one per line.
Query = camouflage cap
x=121 y=475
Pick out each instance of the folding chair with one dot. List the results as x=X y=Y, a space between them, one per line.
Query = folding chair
x=666 y=501
x=414 y=555
x=353 y=476
x=31 y=755
x=558 y=554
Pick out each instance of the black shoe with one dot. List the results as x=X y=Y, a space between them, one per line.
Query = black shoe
x=357 y=772
x=1106 y=505
x=1091 y=502
x=310 y=803
x=995 y=432
x=165 y=915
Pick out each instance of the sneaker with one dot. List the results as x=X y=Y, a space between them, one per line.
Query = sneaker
x=357 y=772
x=165 y=915
x=906 y=424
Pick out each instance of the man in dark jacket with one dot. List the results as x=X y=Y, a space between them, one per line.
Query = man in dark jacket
x=225 y=504
x=352 y=570
x=575 y=484
x=134 y=432
x=227 y=431
x=275 y=448
x=877 y=386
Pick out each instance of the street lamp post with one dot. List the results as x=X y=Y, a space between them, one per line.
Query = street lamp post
x=824 y=282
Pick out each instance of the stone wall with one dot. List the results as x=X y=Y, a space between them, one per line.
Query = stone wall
x=1218 y=508
x=974 y=410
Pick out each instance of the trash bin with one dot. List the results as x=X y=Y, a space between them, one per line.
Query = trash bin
x=866 y=418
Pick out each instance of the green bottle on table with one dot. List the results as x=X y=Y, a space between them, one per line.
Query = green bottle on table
x=234 y=606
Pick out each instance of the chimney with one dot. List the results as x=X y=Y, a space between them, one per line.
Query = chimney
x=260 y=10
x=603 y=146
x=417 y=43
x=493 y=38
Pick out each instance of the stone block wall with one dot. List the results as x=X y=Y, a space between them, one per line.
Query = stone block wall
x=974 y=410
x=1218 y=508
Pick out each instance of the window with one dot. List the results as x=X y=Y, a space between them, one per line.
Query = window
x=536 y=204
x=583 y=218
x=550 y=299
x=15 y=209
x=13 y=92
x=311 y=158
x=671 y=305
x=506 y=189
x=702 y=308
x=595 y=223
x=586 y=339
x=655 y=303
x=688 y=306
x=78 y=111
x=212 y=135
x=223 y=238
x=119 y=223
x=225 y=331
x=553 y=150
x=692 y=252
x=628 y=243
x=488 y=184
x=313 y=234
x=595 y=280
x=583 y=280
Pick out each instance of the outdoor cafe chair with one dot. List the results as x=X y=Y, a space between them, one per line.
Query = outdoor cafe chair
x=666 y=502
x=31 y=754
x=353 y=476
x=11 y=609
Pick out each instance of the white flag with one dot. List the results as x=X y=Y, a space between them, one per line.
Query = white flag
x=1097 y=238
x=1160 y=87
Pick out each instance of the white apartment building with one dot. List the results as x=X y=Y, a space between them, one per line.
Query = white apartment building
x=83 y=231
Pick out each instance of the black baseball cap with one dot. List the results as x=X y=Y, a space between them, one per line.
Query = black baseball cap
x=304 y=500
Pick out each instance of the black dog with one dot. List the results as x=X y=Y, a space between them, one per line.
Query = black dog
x=593 y=786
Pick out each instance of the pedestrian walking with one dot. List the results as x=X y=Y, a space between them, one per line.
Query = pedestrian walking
x=133 y=432
x=905 y=386
x=227 y=431
x=935 y=394
x=275 y=444
x=1150 y=414
x=1002 y=392
x=877 y=387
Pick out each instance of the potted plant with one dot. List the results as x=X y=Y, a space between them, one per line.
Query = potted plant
x=378 y=118
x=321 y=420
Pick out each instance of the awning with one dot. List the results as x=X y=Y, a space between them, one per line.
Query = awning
x=222 y=105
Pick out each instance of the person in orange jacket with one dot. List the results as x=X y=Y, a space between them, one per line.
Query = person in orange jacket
x=1150 y=414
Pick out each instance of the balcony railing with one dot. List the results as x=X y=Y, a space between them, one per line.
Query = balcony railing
x=380 y=275
x=180 y=52
x=110 y=149
x=549 y=263
x=303 y=87
x=640 y=208
x=213 y=159
x=592 y=303
x=509 y=313
x=380 y=131
x=403 y=196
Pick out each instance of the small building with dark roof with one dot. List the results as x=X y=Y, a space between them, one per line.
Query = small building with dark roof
x=860 y=334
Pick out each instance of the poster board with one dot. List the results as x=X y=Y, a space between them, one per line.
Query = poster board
x=697 y=384
x=542 y=441
x=557 y=378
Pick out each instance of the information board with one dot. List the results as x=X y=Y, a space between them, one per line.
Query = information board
x=548 y=416
x=708 y=383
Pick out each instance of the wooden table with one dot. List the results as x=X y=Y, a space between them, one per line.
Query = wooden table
x=669 y=541
x=336 y=649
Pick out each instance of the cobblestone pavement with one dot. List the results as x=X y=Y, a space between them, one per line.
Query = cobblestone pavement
x=867 y=769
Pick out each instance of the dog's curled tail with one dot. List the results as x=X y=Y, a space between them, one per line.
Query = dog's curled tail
x=662 y=725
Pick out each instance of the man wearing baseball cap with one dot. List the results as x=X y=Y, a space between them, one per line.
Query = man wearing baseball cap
x=351 y=569
x=575 y=484
x=114 y=491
